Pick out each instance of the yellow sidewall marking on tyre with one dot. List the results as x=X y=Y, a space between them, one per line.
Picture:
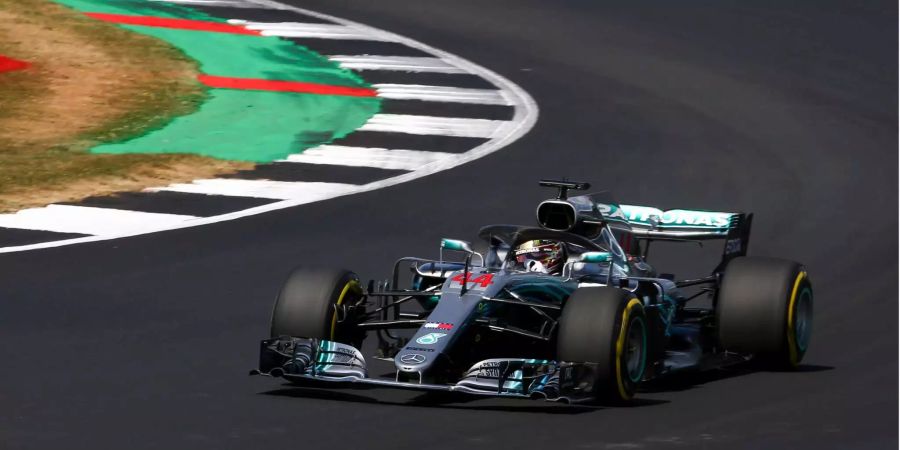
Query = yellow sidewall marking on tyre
x=791 y=335
x=351 y=284
x=620 y=347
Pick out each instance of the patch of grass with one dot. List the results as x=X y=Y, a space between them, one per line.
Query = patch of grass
x=90 y=82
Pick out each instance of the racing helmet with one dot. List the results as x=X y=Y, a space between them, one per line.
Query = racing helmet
x=541 y=255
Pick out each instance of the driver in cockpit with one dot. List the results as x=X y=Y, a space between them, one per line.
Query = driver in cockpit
x=541 y=255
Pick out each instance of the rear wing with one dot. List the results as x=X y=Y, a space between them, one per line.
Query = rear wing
x=587 y=214
x=687 y=225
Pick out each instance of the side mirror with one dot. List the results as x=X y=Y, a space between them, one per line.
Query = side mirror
x=453 y=244
x=596 y=257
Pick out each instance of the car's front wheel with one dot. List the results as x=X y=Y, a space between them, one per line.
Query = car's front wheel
x=309 y=305
x=607 y=327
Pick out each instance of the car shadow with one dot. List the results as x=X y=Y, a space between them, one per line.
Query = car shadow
x=692 y=379
x=448 y=401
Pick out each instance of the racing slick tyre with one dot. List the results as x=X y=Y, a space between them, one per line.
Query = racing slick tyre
x=764 y=308
x=606 y=326
x=309 y=302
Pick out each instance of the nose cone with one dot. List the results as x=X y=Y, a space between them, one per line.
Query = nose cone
x=424 y=353
x=422 y=350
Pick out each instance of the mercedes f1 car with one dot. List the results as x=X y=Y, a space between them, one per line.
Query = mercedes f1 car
x=594 y=328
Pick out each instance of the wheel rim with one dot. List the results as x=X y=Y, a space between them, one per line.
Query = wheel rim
x=803 y=321
x=635 y=356
x=347 y=293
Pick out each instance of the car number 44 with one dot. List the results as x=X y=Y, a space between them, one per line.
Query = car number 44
x=484 y=280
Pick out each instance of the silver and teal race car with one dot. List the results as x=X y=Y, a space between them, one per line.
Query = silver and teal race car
x=594 y=328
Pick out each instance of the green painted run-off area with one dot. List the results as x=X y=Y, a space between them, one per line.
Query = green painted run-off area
x=245 y=125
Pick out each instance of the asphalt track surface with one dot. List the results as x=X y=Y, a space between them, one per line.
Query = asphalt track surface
x=789 y=111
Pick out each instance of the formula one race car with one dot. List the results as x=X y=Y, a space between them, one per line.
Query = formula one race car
x=568 y=311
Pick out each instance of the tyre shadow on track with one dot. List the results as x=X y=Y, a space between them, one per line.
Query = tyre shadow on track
x=691 y=380
x=451 y=401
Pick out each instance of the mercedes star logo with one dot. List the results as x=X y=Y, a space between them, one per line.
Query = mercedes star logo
x=412 y=358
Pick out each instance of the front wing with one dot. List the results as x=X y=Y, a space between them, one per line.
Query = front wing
x=321 y=362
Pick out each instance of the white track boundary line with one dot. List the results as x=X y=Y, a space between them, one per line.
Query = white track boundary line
x=395 y=63
x=308 y=191
x=304 y=30
x=90 y=220
x=442 y=94
x=435 y=126
x=526 y=115
x=226 y=3
x=381 y=158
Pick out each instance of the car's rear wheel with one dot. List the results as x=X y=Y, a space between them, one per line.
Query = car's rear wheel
x=607 y=327
x=764 y=308
x=309 y=302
